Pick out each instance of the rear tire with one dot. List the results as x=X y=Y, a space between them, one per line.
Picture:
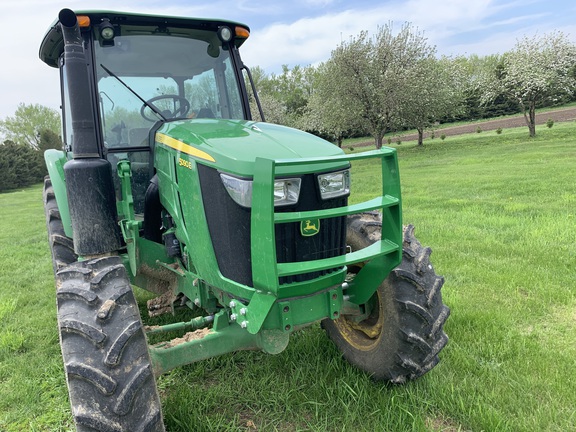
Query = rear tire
x=110 y=379
x=401 y=337
x=61 y=246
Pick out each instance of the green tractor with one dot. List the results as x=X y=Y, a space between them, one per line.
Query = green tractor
x=165 y=182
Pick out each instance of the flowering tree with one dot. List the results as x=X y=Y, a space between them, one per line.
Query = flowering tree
x=326 y=113
x=537 y=69
x=435 y=90
x=372 y=73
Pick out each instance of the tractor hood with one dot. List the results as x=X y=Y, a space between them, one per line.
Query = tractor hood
x=233 y=145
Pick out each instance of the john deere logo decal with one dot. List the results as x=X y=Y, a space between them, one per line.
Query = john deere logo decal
x=309 y=227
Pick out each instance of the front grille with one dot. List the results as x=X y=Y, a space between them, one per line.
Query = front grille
x=330 y=241
x=229 y=226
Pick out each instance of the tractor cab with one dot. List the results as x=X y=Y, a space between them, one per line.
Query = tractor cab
x=148 y=71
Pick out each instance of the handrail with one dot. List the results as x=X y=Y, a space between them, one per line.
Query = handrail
x=265 y=268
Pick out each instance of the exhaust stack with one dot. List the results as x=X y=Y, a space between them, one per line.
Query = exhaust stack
x=89 y=182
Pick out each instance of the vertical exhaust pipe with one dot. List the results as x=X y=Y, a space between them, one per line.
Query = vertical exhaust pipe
x=89 y=184
x=84 y=130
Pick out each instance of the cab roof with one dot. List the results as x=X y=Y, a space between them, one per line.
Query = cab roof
x=52 y=45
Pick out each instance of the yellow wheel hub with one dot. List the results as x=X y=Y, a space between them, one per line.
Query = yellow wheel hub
x=364 y=335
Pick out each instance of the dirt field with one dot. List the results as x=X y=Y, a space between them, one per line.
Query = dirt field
x=561 y=115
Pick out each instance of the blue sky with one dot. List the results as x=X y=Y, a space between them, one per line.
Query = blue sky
x=295 y=32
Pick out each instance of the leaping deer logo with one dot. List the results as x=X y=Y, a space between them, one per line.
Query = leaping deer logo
x=310 y=227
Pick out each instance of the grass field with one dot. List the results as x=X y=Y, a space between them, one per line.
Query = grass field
x=499 y=212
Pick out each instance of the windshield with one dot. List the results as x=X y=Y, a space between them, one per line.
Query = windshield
x=182 y=73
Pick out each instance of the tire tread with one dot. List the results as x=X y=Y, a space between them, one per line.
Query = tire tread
x=414 y=314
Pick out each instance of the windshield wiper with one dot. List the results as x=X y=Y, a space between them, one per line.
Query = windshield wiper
x=152 y=107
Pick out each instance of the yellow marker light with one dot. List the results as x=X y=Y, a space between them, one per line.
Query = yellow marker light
x=83 y=21
x=242 y=32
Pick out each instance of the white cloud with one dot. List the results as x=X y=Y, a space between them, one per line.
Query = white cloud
x=454 y=26
x=260 y=7
x=311 y=40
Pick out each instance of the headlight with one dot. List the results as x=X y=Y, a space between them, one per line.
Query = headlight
x=334 y=184
x=240 y=190
x=286 y=191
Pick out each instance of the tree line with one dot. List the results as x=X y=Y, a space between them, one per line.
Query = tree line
x=394 y=81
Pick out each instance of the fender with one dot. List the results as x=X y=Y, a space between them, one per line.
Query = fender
x=55 y=160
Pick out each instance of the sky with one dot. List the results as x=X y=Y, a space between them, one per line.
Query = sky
x=295 y=32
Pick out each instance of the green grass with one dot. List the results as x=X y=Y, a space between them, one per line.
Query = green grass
x=33 y=392
x=499 y=212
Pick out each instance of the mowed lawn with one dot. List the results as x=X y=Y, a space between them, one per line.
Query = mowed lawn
x=499 y=212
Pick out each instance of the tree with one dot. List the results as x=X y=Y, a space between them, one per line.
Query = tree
x=283 y=97
x=8 y=158
x=434 y=90
x=294 y=88
x=261 y=80
x=474 y=68
x=28 y=121
x=326 y=113
x=20 y=165
x=49 y=140
x=274 y=110
x=291 y=89
x=538 y=69
x=372 y=73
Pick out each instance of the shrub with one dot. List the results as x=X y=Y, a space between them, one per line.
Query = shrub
x=478 y=129
x=432 y=135
x=443 y=137
x=398 y=141
x=549 y=123
x=20 y=166
x=351 y=148
x=499 y=131
x=389 y=140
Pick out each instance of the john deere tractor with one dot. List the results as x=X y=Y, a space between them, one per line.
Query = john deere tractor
x=165 y=182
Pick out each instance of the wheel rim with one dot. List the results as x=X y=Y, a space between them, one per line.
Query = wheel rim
x=364 y=335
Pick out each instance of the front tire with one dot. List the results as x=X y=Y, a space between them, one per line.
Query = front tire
x=110 y=380
x=401 y=334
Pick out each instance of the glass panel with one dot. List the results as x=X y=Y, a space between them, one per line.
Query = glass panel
x=122 y=120
x=183 y=73
x=67 y=120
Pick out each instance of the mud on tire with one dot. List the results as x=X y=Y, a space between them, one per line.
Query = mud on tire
x=401 y=337
x=110 y=380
